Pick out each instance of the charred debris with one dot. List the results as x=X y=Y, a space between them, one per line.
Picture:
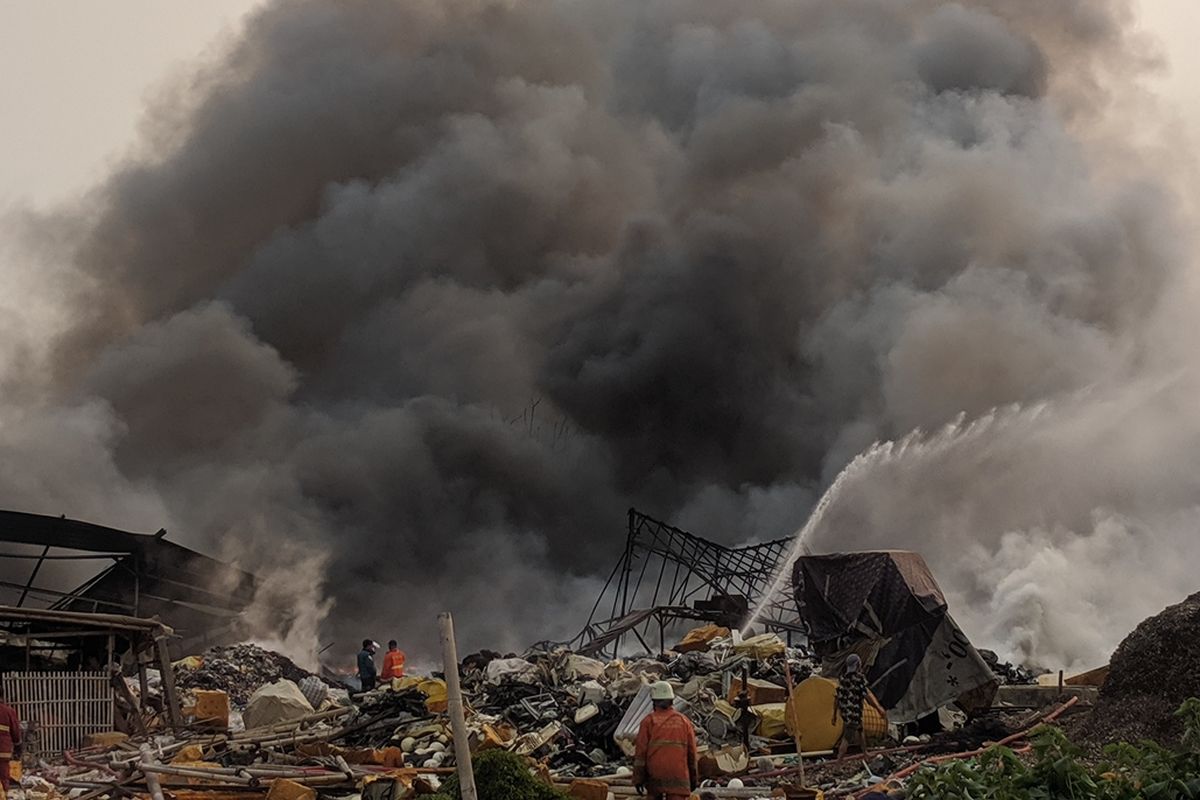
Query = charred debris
x=117 y=701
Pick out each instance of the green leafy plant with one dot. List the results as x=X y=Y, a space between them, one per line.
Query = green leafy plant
x=500 y=775
x=1056 y=770
x=1189 y=714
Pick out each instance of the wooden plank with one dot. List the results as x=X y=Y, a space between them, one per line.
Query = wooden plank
x=123 y=692
x=11 y=613
x=174 y=712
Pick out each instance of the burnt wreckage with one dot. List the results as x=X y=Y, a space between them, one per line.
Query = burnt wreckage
x=60 y=564
x=883 y=605
x=667 y=579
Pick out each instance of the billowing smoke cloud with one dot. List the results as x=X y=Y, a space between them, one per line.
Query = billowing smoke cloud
x=433 y=291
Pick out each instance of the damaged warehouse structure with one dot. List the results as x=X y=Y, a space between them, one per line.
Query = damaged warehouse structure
x=43 y=655
x=69 y=565
x=84 y=605
x=886 y=606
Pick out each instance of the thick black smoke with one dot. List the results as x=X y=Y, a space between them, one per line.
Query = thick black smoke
x=421 y=296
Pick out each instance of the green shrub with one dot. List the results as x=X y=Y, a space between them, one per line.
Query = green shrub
x=500 y=775
x=1057 y=771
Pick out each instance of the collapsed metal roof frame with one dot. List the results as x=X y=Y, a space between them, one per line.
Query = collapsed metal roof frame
x=148 y=575
x=666 y=575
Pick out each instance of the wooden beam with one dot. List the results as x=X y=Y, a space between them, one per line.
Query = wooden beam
x=122 y=690
x=174 y=712
x=143 y=683
x=115 y=621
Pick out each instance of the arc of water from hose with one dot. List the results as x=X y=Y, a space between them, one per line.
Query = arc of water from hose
x=915 y=443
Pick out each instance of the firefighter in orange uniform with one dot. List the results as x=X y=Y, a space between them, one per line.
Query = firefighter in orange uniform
x=665 y=760
x=10 y=738
x=393 y=662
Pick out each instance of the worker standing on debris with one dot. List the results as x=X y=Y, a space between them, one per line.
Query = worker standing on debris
x=665 y=759
x=848 y=701
x=366 y=665
x=10 y=738
x=393 y=661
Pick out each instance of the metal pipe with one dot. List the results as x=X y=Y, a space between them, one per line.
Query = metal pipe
x=147 y=765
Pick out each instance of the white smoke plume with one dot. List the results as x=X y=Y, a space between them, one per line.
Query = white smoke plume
x=431 y=292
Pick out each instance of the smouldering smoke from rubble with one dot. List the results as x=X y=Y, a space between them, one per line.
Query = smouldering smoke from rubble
x=436 y=290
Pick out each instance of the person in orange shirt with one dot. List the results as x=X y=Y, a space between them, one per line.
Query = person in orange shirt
x=665 y=759
x=393 y=662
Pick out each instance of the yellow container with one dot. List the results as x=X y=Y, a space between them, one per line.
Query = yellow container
x=810 y=714
x=212 y=707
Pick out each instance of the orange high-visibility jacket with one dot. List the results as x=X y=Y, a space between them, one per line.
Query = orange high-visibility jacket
x=10 y=731
x=665 y=760
x=393 y=664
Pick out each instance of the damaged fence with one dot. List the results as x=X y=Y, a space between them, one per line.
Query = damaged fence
x=61 y=709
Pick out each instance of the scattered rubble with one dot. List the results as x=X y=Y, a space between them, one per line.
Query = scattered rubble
x=554 y=723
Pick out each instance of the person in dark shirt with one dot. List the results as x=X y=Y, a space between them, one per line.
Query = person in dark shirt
x=849 y=698
x=366 y=665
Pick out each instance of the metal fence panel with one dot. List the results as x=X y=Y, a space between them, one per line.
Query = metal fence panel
x=61 y=708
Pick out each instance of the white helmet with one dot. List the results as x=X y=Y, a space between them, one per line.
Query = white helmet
x=661 y=691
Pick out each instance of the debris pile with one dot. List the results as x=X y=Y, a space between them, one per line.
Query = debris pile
x=1008 y=673
x=570 y=709
x=574 y=715
x=1152 y=672
x=552 y=722
x=238 y=670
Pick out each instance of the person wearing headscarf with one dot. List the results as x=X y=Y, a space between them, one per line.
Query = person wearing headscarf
x=848 y=702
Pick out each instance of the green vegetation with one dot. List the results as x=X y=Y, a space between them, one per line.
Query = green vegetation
x=500 y=775
x=1056 y=770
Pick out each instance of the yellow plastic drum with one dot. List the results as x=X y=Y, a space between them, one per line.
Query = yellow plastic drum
x=810 y=711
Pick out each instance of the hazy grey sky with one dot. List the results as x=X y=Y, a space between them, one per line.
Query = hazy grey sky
x=74 y=75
